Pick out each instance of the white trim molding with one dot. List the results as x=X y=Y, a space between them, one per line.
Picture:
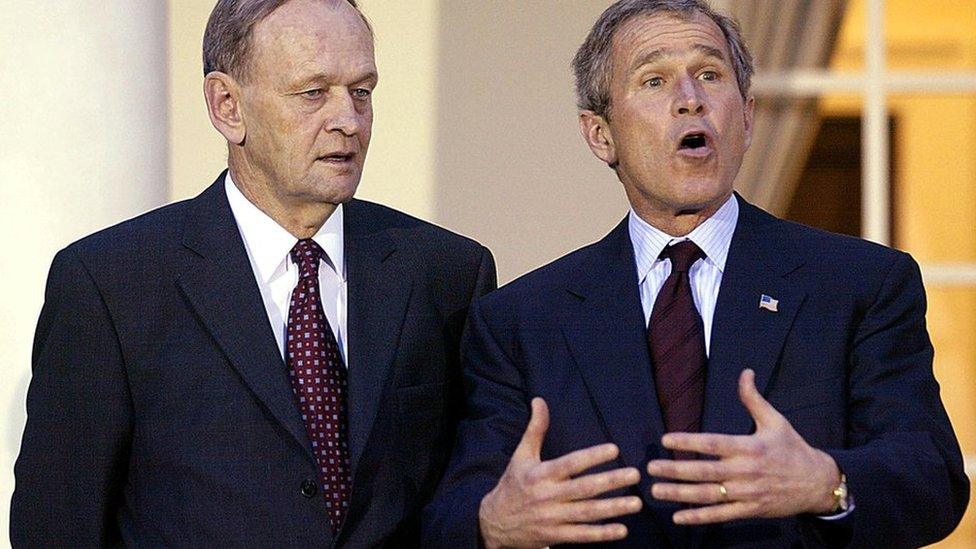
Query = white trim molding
x=812 y=83
x=949 y=274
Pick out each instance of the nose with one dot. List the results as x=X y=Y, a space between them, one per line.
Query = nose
x=345 y=116
x=689 y=98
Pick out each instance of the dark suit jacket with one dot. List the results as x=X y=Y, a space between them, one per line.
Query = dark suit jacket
x=160 y=410
x=846 y=359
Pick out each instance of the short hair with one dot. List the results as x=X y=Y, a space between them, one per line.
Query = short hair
x=592 y=64
x=227 y=40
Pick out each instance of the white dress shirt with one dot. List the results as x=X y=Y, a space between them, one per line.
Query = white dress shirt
x=269 y=247
x=713 y=236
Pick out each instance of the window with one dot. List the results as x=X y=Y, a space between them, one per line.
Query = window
x=915 y=63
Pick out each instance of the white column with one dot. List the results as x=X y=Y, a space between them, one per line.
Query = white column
x=875 y=146
x=83 y=145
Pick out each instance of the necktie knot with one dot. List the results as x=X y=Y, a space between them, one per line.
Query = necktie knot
x=682 y=255
x=306 y=254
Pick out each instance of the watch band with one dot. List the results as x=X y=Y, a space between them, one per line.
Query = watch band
x=841 y=495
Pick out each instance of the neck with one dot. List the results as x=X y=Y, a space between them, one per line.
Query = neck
x=302 y=219
x=676 y=223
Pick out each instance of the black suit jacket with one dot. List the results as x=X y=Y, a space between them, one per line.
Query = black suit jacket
x=160 y=411
x=846 y=358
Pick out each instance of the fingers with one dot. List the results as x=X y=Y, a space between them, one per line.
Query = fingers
x=717 y=513
x=701 y=494
x=690 y=471
x=581 y=512
x=530 y=447
x=762 y=412
x=579 y=461
x=589 y=486
x=588 y=533
x=711 y=444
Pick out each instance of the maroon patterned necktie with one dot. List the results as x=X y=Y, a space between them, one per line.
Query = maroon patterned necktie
x=318 y=378
x=676 y=340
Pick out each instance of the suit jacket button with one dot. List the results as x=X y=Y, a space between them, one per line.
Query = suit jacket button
x=309 y=488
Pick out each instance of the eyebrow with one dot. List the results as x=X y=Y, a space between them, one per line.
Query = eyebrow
x=657 y=55
x=369 y=76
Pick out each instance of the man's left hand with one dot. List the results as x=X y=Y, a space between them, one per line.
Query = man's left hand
x=770 y=473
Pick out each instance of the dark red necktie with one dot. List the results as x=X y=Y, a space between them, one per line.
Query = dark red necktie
x=676 y=340
x=318 y=378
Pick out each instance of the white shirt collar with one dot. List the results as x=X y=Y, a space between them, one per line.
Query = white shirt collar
x=713 y=236
x=269 y=244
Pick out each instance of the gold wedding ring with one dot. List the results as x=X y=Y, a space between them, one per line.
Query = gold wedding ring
x=723 y=492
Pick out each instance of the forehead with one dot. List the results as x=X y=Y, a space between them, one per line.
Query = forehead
x=311 y=34
x=665 y=35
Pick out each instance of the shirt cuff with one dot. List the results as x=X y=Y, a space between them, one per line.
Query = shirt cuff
x=842 y=514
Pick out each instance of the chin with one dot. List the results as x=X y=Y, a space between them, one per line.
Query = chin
x=338 y=197
x=701 y=192
x=694 y=203
x=336 y=192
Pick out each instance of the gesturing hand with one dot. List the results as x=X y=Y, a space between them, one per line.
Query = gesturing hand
x=770 y=473
x=538 y=503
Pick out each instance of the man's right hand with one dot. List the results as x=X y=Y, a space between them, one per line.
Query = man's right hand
x=538 y=503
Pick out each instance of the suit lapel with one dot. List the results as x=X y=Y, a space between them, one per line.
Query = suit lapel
x=743 y=334
x=220 y=286
x=604 y=329
x=378 y=296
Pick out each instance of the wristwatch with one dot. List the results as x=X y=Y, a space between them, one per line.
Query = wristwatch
x=842 y=500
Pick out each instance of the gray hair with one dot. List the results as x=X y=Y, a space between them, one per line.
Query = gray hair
x=592 y=65
x=227 y=40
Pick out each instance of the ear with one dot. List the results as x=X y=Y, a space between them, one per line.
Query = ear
x=748 y=113
x=596 y=133
x=223 y=95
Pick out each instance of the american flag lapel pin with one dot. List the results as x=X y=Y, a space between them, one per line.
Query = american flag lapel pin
x=768 y=303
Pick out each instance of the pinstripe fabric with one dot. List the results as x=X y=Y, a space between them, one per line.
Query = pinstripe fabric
x=713 y=236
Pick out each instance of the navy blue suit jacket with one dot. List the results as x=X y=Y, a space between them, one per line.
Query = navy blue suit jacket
x=846 y=358
x=160 y=411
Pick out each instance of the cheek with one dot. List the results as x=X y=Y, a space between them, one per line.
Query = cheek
x=642 y=140
x=367 y=129
x=277 y=137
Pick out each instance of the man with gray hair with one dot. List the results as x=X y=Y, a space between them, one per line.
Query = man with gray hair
x=706 y=375
x=272 y=363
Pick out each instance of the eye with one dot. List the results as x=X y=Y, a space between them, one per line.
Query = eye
x=312 y=94
x=708 y=76
x=362 y=93
x=654 y=82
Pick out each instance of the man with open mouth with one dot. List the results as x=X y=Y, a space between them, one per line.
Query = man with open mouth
x=706 y=375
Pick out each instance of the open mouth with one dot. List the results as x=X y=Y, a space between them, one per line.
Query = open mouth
x=337 y=157
x=693 y=141
x=695 y=146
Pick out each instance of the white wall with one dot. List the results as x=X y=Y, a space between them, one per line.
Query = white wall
x=512 y=169
x=82 y=146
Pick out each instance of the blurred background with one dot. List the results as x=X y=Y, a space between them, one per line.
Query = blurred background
x=866 y=124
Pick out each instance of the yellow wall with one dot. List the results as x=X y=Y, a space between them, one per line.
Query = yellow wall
x=935 y=185
x=197 y=153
